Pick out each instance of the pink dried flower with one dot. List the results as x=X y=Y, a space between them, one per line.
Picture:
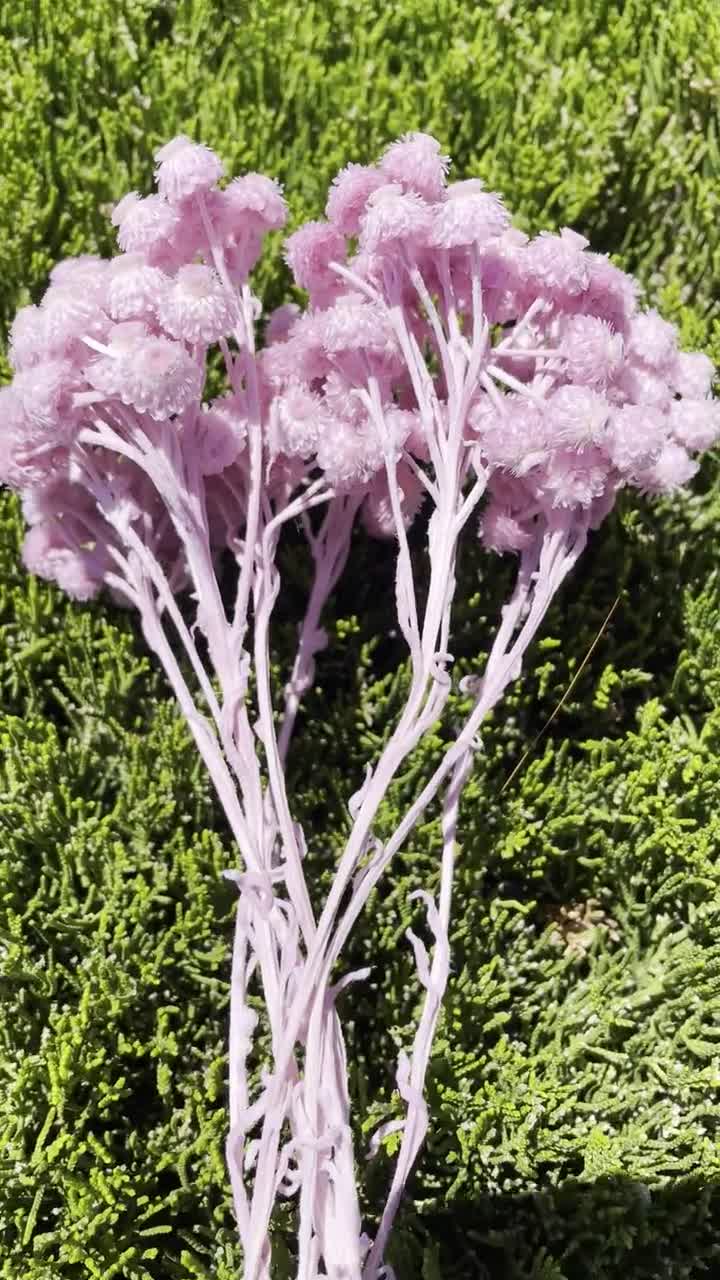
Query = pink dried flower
x=577 y=416
x=377 y=513
x=253 y=202
x=557 y=264
x=417 y=164
x=301 y=356
x=515 y=437
x=348 y=196
x=298 y=419
x=592 y=350
x=309 y=252
x=695 y=424
x=196 y=306
x=642 y=385
x=86 y=272
x=571 y=478
x=134 y=288
x=611 y=294
x=153 y=375
x=395 y=218
x=77 y=571
x=27 y=338
x=348 y=454
x=692 y=374
x=186 y=168
x=502 y=530
x=45 y=393
x=672 y=469
x=217 y=434
x=355 y=325
x=281 y=321
x=69 y=313
x=144 y=223
x=652 y=340
x=635 y=437
x=468 y=215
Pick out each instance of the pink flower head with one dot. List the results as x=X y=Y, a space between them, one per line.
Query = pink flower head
x=300 y=356
x=672 y=469
x=341 y=399
x=416 y=163
x=404 y=427
x=87 y=273
x=692 y=374
x=557 y=264
x=652 y=340
x=27 y=338
x=350 y=191
x=30 y=454
x=144 y=223
x=502 y=529
x=502 y=266
x=253 y=202
x=185 y=169
x=395 y=219
x=348 y=454
x=153 y=375
x=514 y=437
x=468 y=215
x=309 y=252
x=635 y=437
x=196 y=307
x=642 y=385
x=577 y=416
x=217 y=434
x=297 y=420
x=592 y=350
x=77 y=570
x=611 y=294
x=695 y=424
x=571 y=478
x=45 y=393
x=281 y=321
x=134 y=288
x=377 y=513
x=69 y=313
x=355 y=325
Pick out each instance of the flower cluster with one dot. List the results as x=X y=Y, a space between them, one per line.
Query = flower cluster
x=121 y=346
x=443 y=359
x=577 y=392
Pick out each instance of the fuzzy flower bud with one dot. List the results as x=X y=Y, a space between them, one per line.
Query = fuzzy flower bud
x=468 y=215
x=416 y=163
x=557 y=263
x=592 y=350
x=196 y=307
x=186 y=168
x=692 y=374
x=134 y=288
x=309 y=252
x=144 y=223
x=672 y=469
x=395 y=219
x=652 y=340
x=350 y=191
x=151 y=374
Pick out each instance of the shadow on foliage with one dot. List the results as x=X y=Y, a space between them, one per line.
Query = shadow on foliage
x=590 y=1230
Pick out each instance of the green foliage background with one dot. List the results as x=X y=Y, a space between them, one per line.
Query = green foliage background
x=575 y=1084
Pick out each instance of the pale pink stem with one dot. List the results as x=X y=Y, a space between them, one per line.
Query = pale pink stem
x=329 y=548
